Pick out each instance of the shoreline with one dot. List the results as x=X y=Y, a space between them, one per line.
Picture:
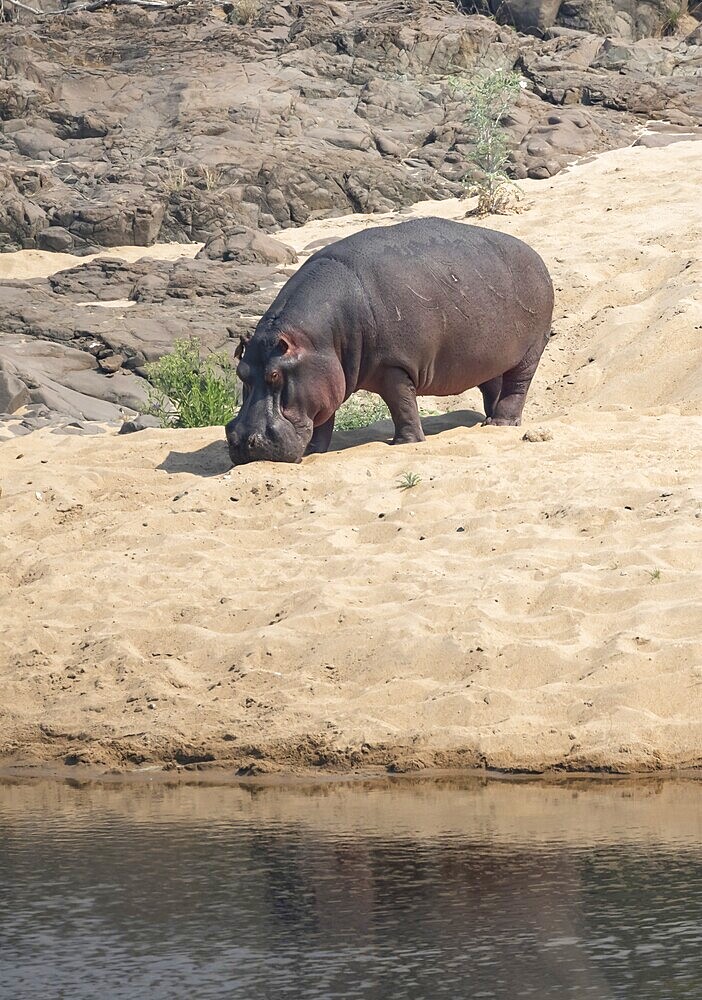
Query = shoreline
x=221 y=775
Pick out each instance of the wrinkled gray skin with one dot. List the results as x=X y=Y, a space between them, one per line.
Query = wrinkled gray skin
x=426 y=307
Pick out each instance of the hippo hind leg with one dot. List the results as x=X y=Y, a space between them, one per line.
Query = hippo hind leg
x=507 y=409
x=491 y=393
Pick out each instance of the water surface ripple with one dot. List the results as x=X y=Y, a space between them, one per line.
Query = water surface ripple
x=424 y=891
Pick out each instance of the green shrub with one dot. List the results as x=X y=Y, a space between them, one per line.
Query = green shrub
x=488 y=99
x=672 y=16
x=189 y=391
x=362 y=409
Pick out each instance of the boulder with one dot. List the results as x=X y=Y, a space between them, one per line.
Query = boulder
x=561 y=137
x=531 y=16
x=56 y=239
x=140 y=423
x=38 y=143
x=247 y=246
x=14 y=394
x=68 y=381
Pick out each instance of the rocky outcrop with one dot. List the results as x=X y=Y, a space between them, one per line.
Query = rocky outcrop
x=313 y=109
x=626 y=19
x=127 y=126
x=71 y=344
x=66 y=380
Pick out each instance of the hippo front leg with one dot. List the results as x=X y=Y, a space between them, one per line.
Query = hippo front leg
x=321 y=438
x=399 y=393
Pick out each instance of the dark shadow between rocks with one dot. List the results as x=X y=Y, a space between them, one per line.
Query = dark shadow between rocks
x=384 y=430
x=212 y=460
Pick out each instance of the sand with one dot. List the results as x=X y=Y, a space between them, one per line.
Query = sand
x=527 y=605
x=26 y=264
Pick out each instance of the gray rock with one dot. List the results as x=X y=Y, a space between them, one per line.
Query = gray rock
x=36 y=142
x=56 y=239
x=14 y=394
x=67 y=380
x=79 y=428
x=111 y=363
x=247 y=246
x=527 y=15
x=657 y=140
x=140 y=423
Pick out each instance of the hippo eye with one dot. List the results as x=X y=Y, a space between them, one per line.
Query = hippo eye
x=274 y=377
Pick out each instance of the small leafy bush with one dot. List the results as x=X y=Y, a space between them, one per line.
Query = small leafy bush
x=488 y=99
x=190 y=391
x=362 y=409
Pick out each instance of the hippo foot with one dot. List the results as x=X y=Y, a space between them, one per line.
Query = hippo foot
x=501 y=422
x=408 y=439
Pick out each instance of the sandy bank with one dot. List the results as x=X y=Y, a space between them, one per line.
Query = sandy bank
x=529 y=604
x=26 y=264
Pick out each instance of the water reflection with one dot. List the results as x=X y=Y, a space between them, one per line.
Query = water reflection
x=445 y=890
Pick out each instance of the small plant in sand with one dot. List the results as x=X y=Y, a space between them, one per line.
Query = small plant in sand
x=672 y=16
x=362 y=409
x=407 y=480
x=175 y=178
x=188 y=390
x=244 y=11
x=211 y=176
x=654 y=575
x=488 y=99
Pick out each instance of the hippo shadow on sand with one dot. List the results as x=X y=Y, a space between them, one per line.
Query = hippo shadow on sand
x=213 y=459
x=383 y=430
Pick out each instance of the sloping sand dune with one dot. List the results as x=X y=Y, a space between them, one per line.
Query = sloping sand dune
x=528 y=604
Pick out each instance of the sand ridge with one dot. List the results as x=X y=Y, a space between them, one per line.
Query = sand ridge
x=529 y=604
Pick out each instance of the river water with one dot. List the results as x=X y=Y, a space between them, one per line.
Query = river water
x=453 y=888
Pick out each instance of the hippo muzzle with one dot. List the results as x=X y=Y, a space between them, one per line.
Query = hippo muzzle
x=265 y=446
x=288 y=388
x=258 y=435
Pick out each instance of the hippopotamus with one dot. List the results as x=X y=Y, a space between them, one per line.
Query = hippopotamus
x=424 y=307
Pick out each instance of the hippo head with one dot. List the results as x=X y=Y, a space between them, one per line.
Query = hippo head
x=289 y=388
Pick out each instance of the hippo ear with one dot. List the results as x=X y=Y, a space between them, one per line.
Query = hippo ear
x=244 y=338
x=286 y=346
